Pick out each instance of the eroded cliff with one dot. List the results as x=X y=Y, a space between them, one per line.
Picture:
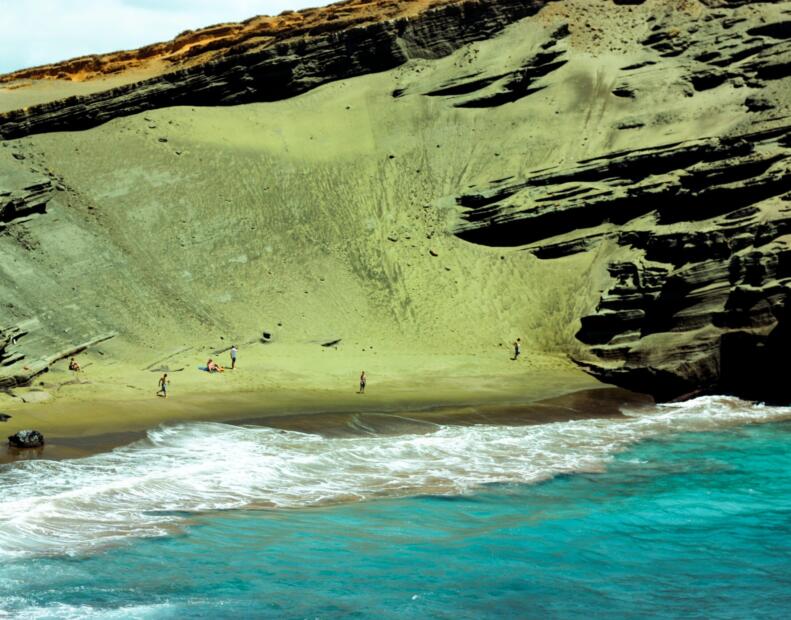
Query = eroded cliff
x=265 y=59
x=608 y=178
x=699 y=292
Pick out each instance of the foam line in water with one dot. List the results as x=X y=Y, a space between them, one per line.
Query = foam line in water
x=145 y=489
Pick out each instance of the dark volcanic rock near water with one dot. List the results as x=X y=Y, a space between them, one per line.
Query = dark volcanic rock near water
x=631 y=159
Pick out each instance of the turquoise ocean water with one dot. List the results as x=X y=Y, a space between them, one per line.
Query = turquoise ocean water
x=674 y=512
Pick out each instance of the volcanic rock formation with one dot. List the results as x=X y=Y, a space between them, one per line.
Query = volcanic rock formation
x=700 y=298
x=26 y=439
x=642 y=148
x=266 y=61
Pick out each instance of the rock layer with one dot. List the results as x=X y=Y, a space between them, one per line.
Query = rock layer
x=287 y=63
x=700 y=292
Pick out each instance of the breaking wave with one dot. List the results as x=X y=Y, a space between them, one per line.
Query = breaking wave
x=150 y=488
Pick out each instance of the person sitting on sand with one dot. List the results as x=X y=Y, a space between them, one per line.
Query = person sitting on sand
x=213 y=366
x=163 y=386
x=363 y=381
x=73 y=365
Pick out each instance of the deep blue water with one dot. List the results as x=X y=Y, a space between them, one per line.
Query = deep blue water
x=691 y=525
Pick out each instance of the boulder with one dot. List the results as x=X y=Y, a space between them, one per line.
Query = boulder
x=26 y=439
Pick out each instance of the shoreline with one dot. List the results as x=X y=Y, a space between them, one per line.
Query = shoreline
x=78 y=429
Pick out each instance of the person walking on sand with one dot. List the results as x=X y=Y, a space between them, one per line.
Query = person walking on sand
x=363 y=381
x=234 y=351
x=517 y=349
x=163 y=386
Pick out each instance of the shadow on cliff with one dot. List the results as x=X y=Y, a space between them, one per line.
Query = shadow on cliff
x=756 y=366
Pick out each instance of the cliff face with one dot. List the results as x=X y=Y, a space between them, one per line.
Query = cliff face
x=266 y=60
x=699 y=292
x=609 y=178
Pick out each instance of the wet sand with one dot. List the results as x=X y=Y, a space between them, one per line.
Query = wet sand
x=117 y=423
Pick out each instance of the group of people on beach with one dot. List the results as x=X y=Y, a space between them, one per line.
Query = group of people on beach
x=212 y=367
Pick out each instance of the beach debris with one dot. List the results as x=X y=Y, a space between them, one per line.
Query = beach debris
x=331 y=343
x=4 y=417
x=266 y=336
x=433 y=253
x=23 y=376
x=26 y=439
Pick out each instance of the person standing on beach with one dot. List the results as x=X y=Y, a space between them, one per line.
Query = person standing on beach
x=163 y=385
x=517 y=349
x=363 y=381
x=234 y=351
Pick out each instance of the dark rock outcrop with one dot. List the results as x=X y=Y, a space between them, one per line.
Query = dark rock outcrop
x=19 y=364
x=698 y=308
x=26 y=439
x=700 y=231
x=486 y=91
x=30 y=199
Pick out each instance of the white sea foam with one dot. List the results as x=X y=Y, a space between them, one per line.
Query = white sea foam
x=150 y=487
x=61 y=611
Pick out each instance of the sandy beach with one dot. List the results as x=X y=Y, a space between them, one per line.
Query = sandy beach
x=104 y=406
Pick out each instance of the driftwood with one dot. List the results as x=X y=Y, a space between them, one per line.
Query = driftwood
x=327 y=342
x=33 y=369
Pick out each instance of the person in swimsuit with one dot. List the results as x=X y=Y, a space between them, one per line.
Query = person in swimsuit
x=363 y=381
x=163 y=386
x=73 y=365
